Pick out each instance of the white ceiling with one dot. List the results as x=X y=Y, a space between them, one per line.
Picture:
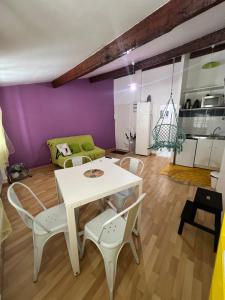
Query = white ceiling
x=40 y=40
x=199 y=26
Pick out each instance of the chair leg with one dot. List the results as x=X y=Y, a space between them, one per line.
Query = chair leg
x=136 y=231
x=134 y=251
x=110 y=204
x=101 y=204
x=119 y=204
x=110 y=262
x=38 y=250
x=83 y=247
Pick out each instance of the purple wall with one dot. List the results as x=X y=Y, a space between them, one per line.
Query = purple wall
x=34 y=113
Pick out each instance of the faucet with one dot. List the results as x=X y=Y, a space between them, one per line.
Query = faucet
x=214 y=131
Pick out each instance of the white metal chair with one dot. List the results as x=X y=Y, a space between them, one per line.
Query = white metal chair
x=44 y=225
x=77 y=160
x=110 y=231
x=117 y=201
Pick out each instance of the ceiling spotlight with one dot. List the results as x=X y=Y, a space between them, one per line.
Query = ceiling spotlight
x=129 y=50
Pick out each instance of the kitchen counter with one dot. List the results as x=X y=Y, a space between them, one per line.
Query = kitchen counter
x=202 y=136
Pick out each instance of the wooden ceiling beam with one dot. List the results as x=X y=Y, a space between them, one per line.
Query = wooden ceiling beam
x=163 y=20
x=197 y=48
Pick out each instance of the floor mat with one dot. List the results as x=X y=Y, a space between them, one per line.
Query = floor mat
x=186 y=175
x=119 y=152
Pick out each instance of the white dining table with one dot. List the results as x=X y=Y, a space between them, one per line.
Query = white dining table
x=75 y=190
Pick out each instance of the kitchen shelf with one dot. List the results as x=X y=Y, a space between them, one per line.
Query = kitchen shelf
x=196 y=112
x=203 y=89
x=202 y=108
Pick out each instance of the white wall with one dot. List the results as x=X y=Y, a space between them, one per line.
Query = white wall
x=220 y=187
x=125 y=95
x=198 y=77
x=155 y=82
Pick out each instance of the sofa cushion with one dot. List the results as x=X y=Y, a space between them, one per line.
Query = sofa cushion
x=75 y=148
x=96 y=153
x=64 y=149
x=88 y=146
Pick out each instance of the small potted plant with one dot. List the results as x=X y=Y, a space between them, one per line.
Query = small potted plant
x=131 y=138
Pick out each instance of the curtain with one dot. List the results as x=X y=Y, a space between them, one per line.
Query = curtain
x=4 y=153
x=5 y=226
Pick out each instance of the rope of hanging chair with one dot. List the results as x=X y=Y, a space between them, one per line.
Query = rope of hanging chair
x=168 y=135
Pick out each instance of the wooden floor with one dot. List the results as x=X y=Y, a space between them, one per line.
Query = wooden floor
x=171 y=267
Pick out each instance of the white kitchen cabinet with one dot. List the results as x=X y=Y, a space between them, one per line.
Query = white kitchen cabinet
x=216 y=154
x=209 y=153
x=187 y=156
x=203 y=152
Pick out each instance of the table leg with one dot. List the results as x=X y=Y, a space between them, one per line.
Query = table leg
x=217 y=230
x=73 y=240
x=59 y=195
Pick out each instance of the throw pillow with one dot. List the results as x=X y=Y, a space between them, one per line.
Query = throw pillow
x=88 y=146
x=64 y=149
x=75 y=148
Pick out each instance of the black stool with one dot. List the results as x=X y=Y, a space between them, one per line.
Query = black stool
x=206 y=200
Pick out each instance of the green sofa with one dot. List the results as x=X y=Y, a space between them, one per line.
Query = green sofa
x=81 y=139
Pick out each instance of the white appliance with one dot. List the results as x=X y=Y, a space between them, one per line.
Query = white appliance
x=213 y=100
x=187 y=156
x=143 y=128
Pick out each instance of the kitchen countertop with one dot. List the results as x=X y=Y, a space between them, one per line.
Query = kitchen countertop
x=202 y=136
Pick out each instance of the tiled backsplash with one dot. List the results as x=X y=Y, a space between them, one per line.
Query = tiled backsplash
x=203 y=121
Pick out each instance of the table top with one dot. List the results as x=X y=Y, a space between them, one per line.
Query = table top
x=208 y=199
x=77 y=190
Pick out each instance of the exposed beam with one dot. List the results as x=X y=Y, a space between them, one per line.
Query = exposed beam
x=163 y=20
x=128 y=70
x=206 y=51
x=197 y=48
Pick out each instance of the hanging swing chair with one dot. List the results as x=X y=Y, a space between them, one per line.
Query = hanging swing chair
x=166 y=133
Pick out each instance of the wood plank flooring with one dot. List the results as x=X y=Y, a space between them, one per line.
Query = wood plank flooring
x=171 y=267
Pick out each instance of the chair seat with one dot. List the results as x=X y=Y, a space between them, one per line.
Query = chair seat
x=53 y=218
x=112 y=236
x=123 y=194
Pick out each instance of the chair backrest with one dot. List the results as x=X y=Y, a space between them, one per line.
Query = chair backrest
x=133 y=164
x=27 y=218
x=77 y=160
x=130 y=214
